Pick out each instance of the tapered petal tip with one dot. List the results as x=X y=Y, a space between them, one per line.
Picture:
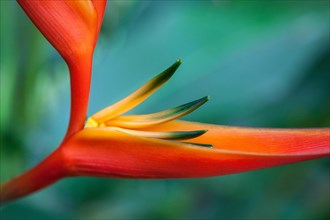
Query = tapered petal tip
x=168 y=73
x=199 y=144
x=201 y=100
x=183 y=135
x=207 y=98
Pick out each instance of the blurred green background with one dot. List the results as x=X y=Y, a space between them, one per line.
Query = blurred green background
x=265 y=64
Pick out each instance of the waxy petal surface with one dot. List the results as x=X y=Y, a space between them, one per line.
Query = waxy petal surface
x=258 y=140
x=95 y=152
x=99 y=6
x=70 y=26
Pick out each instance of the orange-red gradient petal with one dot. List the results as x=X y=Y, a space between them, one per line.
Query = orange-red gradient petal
x=99 y=6
x=258 y=140
x=70 y=26
x=96 y=152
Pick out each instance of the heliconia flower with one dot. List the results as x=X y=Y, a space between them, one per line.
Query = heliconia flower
x=72 y=27
x=160 y=146
x=156 y=145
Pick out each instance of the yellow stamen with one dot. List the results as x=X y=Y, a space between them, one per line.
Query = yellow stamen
x=136 y=97
x=169 y=135
x=142 y=121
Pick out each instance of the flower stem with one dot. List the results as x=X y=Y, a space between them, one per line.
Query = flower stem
x=45 y=173
x=80 y=78
x=52 y=168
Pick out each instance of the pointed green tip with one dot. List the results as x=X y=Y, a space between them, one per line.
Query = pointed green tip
x=199 y=101
x=204 y=131
x=171 y=70
x=205 y=145
x=175 y=65
x=199 y=144
x=184 y=135
x=165 y=75
x=204 y=99
x=179 y=61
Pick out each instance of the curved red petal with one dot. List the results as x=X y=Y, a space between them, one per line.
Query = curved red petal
x=95 y=152
x=99 y=6
x=70 y=26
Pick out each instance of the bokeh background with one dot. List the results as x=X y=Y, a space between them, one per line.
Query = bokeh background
x=264 y=63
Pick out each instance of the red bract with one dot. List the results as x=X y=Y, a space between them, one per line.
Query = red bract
x=235 y=150
x=72 y=27
x=152 y=145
